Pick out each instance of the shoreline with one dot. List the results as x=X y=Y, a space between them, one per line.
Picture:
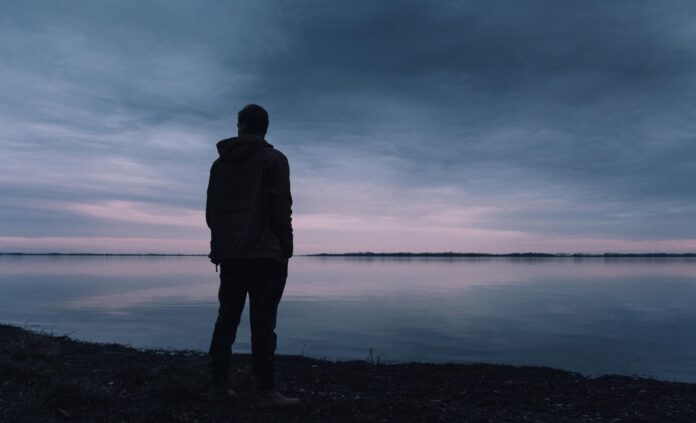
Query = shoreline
x=369 y=254
x=56 y=378
x=508 y=255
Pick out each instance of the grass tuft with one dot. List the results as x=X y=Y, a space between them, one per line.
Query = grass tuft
x=32 y=346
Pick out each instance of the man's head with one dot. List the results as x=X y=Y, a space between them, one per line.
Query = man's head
x=252 y=120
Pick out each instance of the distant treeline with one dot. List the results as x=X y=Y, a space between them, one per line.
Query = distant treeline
x=452 y=254
x=371 y=254
x=103 y=254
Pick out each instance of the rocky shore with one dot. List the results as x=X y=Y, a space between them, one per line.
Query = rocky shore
x=45 y=378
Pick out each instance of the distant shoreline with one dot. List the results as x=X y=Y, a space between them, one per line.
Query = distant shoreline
x=103 y=254
x=395 y=254
x=526 y=255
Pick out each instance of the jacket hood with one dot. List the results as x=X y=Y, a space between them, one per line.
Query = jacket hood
x=238 y=149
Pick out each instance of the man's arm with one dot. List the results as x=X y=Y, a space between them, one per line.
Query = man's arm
x=208 y=198
x=280 y=204
x=208 y=210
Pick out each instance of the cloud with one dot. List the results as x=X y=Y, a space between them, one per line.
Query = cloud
x=135 y=212
x=550 y=122
x=97 y=244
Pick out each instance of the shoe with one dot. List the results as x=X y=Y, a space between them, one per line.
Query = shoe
x=221 y=393
x=274 y=399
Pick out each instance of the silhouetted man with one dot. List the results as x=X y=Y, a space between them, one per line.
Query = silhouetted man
x=248 y=211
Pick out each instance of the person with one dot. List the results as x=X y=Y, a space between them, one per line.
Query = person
x=248 y=211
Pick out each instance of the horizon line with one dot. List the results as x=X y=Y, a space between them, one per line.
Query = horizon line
x=378 y=254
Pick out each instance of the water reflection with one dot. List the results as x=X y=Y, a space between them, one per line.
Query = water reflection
x=632 y=316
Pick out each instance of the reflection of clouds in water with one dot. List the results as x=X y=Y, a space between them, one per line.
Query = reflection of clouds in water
x=624 y=315
x=105 y=266
x=357 y=277
x=192 y=279
x=163 y=297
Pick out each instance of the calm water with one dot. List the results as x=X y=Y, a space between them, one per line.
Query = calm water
x=629 y=316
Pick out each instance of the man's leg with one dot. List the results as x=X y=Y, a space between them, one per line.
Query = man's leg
x=232 y=295
x=264 y=296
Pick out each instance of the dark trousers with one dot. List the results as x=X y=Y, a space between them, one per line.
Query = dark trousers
x=264 y=280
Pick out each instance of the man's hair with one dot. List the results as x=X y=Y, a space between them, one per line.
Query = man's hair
x=254 y=118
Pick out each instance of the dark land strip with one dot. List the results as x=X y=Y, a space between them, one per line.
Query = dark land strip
x=394 y=254
x=513 y=255
x=46 y=378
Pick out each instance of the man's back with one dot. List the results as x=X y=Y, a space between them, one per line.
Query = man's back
x=249 y=203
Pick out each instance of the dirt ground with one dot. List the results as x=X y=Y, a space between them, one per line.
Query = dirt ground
x=55 y=379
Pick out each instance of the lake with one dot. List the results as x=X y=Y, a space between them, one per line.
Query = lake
x=634 y=316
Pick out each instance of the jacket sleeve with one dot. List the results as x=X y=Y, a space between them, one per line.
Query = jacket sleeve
x=208 y=198
x=280 y=204
x=209 y=209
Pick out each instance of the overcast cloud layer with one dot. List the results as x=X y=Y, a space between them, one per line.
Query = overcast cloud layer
x=551 y=126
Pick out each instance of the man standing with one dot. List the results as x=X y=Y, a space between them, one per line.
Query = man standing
x=248 y=211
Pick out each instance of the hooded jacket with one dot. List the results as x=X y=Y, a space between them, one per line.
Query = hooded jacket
x=249 y=206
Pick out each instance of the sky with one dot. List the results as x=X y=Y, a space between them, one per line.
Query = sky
x=470 y=126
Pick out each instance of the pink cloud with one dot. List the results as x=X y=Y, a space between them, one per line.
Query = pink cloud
x=138 y=212
x=103 y=245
